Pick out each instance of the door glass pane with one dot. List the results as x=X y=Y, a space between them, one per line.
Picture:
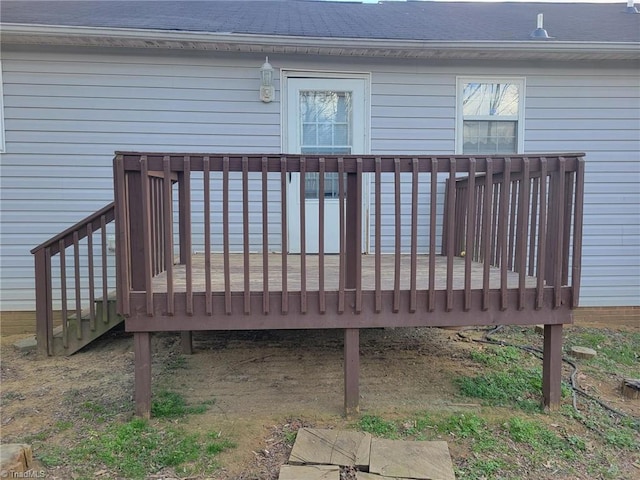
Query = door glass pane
x=326 y=124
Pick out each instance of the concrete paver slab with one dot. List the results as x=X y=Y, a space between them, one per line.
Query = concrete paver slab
x=374 y=476
x=331 y=447
x=415 y=460
x=309 y=472
x=15 y=458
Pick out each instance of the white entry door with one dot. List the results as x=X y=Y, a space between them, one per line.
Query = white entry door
x=325 y=116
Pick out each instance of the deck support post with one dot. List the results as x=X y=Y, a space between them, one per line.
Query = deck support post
x=351 y=372
x=142 y=377
x=352 y=232
x=552 y=366
x=186 y=338
x=44 y=323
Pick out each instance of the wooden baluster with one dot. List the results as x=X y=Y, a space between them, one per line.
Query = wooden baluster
x=342 y=267
x=413 y=301
x=63 y=294
x=503 y=233
x=433 y=205
x=452 y=215
x=206 y=186
x=576 y=263
x=146 y=233
x=187 y=235
x=106 y=315
x=303 y=237
x=487 y=228
x=398 y=236
x=92 y=285
x=378 y=234
x=284 y=232
x=542 y=237
x=523 y=222
x=245 y=235
x=321 y=220
x=265 y=236
x=168 y=231
x=471 y=224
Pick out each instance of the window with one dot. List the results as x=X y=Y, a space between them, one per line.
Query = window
x=490 y=115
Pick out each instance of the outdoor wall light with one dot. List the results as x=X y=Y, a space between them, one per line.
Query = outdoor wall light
x=267 y=92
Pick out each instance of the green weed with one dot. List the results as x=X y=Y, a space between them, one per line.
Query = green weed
x=177 y=362
x=167 y=404
x=517 y=386
x=378 y=427
x=485 y=468
x=137 y=448
x=494 y=356
x=543 y=441
x=216 y=445
x=63 y=425
x=50 y=455
x=473 y=428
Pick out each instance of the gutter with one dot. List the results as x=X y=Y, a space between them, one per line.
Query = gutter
x=260 y=43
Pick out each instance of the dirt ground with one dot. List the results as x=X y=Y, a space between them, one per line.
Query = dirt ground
x=257 y=382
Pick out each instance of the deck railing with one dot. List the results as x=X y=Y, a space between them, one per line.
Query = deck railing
x=524 y=216
x=73 y=270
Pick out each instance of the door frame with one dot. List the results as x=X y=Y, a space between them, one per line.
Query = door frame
x=285 y=75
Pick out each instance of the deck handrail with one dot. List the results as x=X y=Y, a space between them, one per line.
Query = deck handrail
x=84 y=296
x=141 y=205
x=543 y=210
x=67 y=234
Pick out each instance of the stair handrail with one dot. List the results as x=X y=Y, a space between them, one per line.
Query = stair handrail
x=53 y=242
x=43 y=254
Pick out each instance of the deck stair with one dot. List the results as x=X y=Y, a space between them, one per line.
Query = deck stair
x=104 y=320
x=75 y=273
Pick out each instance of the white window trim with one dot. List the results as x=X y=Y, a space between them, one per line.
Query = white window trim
x=460 y=81
x=2 y=141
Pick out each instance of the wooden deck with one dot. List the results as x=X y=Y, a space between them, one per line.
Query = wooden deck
x=517 y=217
x=331 y=273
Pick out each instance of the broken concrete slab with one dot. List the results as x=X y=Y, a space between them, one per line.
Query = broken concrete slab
x=15 y=458
x=26 y=344
x=583 y=352
x=416 y=460
x=374 y=476
x=331 y=447
x=309 y=472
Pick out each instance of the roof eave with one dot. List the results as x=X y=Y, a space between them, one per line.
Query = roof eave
x=365 y=47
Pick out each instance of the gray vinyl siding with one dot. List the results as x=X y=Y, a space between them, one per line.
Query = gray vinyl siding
x=597 y=112
x=66 y=112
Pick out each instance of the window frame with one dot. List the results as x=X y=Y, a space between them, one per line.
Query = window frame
x=519 y=119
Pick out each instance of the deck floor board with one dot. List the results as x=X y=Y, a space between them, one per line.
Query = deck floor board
x=331 y=273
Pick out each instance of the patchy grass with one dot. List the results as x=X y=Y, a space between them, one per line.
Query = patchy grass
x=168 y=404
x=618 y=352
x=509 y=437
x=378 y=427
x=136 y=448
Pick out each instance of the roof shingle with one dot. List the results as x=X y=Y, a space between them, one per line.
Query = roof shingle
x=414 y=20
